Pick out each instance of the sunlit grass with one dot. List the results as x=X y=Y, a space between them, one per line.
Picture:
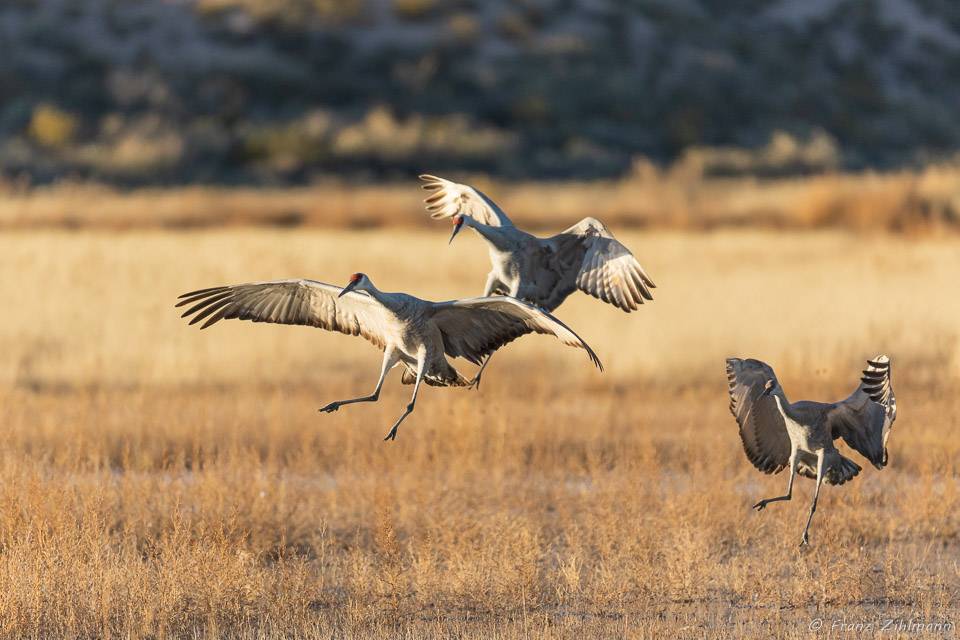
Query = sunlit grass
x=921 y=201
x=240 y=510
x=159 y=481
x=98 y=307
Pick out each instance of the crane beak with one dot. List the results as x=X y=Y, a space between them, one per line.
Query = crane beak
x=347 y=289
x=771 y=385
x=456 y=230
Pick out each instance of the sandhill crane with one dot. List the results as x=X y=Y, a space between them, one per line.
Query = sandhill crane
x=777 y=433
x=415 y=333
x=543 y=271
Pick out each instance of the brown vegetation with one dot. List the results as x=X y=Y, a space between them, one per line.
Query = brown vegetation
x=680 y=198
x=159 y=481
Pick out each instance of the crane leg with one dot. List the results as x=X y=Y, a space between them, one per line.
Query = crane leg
x=816 y=494
x=793 y=472
x=390 y=358
x=475 y=383
x=421 y=365
x=491 y=284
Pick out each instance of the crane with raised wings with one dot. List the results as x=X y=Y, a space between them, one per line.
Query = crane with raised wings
x=777 y=433
x=542 y=271
x=417 y=334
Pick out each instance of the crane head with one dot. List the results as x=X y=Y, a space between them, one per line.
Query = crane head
x=355 y=280
x=768 y=388
x=457 y=225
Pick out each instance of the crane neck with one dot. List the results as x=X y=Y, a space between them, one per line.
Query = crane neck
x=783 y=404
x=499 y=238
x=390 y=301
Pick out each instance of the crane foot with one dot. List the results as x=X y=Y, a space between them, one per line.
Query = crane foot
x=806 y=540
x=760 y=505
x=392 y=435
x=330 y=408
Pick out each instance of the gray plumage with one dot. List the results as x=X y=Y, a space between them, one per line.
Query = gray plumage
x=415 y=333
x=777 y=433
x=542 y=271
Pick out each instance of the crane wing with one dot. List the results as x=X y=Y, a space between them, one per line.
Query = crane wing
x=451 y=198
x=864 y=419
x=762 y=430
x=303 y=302
x=476 y=327
x=587 y=257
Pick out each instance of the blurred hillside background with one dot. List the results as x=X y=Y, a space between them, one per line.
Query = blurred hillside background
x=286 y=92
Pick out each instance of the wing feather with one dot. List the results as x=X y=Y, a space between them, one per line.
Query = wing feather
x=864 y=419
x=476 y=327
x=450 y=198
x=296 y=302
x=762 y=430
x=589 y=258
x=203 y=303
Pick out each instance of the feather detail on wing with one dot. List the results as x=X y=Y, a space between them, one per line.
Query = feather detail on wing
x=837 y=471
x=864 y=419
x=409 y=376
x=451 y=198
x=476 y=327
x=762 y=430
x=298 y=302
x=587 y=256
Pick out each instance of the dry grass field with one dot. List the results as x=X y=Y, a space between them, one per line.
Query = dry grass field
x=161 y=482
x=679 y=197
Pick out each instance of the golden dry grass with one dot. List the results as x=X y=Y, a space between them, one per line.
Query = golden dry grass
x=159 y=481
x=926 y=200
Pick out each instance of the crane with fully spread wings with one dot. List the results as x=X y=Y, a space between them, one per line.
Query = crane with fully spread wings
x=777 y=433
x=542 y=271
x=417 y=334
